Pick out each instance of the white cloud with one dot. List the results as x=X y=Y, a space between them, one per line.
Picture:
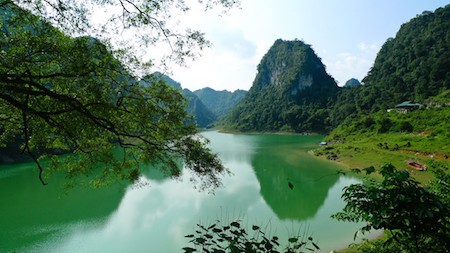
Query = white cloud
x=218 y=69
x=227 y=65
x=356 y=64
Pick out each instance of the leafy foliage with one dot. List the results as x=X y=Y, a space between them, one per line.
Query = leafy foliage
x=374 y=246
x=147 y=22
x=417 y=219
x=234 y=238
x=72 y=95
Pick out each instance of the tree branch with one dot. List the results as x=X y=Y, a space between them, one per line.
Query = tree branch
x=73 y=103
x=27 y=138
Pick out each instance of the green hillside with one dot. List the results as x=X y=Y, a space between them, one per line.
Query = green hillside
x=410 y=67
x=413 y=66
x=422 y=135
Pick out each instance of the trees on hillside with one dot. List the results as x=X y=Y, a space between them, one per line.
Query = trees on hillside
x=64 y=94
x=412 y=66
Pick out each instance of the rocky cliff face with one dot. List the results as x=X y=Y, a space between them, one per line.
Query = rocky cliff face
x=288 y=92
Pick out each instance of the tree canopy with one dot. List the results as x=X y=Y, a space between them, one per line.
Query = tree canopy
x=415 y=216
x=128 y=25
x=61 y=94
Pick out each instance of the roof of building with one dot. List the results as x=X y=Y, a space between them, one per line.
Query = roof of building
x=408 y=104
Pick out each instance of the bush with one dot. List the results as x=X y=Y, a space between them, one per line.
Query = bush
x=369 y=121
x=405 y=126
x=385 y=125
x=416 y=217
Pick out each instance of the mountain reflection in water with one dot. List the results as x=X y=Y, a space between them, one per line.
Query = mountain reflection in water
x=275 y=184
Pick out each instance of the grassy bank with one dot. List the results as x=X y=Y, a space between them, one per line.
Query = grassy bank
x=396 y=149
x=422 y=136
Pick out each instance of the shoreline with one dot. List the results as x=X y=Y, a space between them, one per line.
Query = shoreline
x=263 y=133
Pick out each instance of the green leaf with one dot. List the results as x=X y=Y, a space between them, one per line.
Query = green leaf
x=235 y=224
x=293 y=240
x=315 y=246
x=189 y=250
x=200 y=240
x=369 y=170
x=217 y=230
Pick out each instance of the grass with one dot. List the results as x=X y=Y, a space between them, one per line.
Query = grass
x=379 y=138
x=395 y=148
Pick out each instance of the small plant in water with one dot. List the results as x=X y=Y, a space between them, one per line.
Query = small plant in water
x=234 y=238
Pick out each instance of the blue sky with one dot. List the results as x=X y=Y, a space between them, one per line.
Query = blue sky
x=346 y=34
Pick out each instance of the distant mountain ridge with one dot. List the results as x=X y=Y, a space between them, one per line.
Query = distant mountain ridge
x=195 y=107
x=352 y=82
x=220 y=102
x=167 y=79
x=206 y=105
x=288 y=93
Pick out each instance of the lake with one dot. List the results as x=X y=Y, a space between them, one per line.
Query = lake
x=275 y=184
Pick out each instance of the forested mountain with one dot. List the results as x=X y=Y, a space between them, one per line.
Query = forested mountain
x=206 y=104
x=195 y=107
x=291 y=92
x=220 y=102
x=167 y=80
x=412 y=66
x=416 y=63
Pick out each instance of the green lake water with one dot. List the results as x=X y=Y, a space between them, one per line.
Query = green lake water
x=155 y=218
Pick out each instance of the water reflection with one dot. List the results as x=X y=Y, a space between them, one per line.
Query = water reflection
x=294 y=185
x=31 y=212
x=156 y=218
x=291 y=193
